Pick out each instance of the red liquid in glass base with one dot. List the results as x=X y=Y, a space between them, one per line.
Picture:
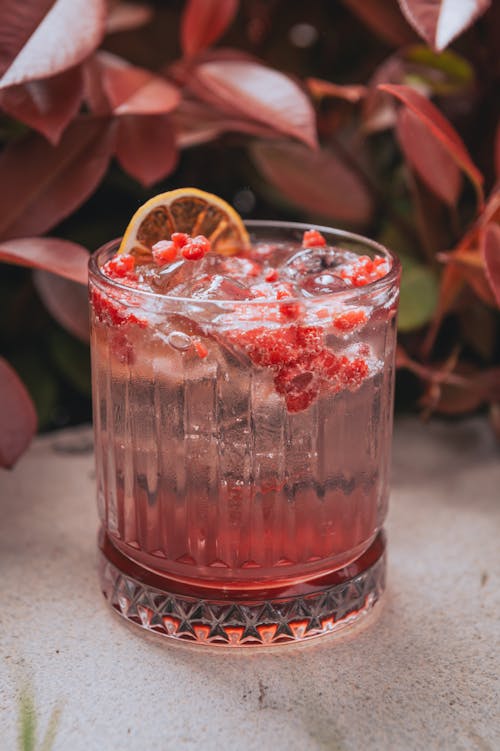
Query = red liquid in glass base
x=243 y=617
x=251 y=590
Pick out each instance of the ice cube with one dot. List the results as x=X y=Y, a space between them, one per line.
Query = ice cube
x=174 y=278
x=322 y=284
x=311 y=261
x=219 y=287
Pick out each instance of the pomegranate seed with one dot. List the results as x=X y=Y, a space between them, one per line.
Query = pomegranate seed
x=179 y=239
x=120 y=267
x=164 y=251
x=272 y=275
x=350 y=320
x=200 y=348
x=313 y=239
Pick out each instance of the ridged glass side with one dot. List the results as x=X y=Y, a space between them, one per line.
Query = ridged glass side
x=202 y=470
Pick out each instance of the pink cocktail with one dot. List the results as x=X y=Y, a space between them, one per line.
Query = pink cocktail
x=243 y=419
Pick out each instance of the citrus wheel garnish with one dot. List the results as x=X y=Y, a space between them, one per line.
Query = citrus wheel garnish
x=188 y=210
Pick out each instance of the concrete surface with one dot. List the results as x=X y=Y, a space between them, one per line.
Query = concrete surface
x=424 y=675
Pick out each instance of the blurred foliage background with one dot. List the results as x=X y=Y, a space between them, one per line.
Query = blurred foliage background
x=400 y=188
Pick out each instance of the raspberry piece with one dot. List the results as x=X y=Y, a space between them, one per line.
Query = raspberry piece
x=365 y=270
x=355 y=372
x=277 y=347
x=164 y=251
x=328 y=365
x=302 y=365
x=120 y=267
x=349 y=321
x=272 y=275
x=338 y=372
x=112 y=313
x=200 y=348
x=282 y=291
x=267 y=347
x=195 y=248
x=298 y=385
x=309 y=338
x=313 y=239
x=179 y=239
x=291 y=310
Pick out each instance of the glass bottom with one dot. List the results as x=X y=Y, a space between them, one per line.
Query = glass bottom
x=205 y=615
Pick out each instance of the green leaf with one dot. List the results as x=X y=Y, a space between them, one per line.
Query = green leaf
x=419 y=295
x=52 y=727
x=27 y=722
x=443 y=72
x=72 y=359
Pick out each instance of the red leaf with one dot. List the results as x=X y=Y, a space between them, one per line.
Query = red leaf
x=61 y=257
x=384 y=18
x=456 y=272
x=19 y=421
x=452 y=283
x=440 y=128
x=314 y=180
x=183 y=70
x=476 y=278
x=440 y=21
x=39 y=38
x=42 y=184
x=205 y=21
x=379 y=110
x=48 y=105
x=497 y=152
x=66 y=301
x=113 y=85
x=349 y=92
x=428 y=157
x=146 y=147
x=490 y=249
x=198 y=122
x=125 y=16
x=251 y=90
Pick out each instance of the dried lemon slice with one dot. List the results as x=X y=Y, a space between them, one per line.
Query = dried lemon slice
x=188 y=210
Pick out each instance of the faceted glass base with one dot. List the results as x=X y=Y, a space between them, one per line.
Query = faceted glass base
x=243 y=618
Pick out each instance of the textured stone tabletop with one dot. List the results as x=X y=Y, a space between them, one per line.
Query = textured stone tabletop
x=423 y=675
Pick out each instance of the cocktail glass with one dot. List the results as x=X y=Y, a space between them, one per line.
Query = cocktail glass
x=242 y=500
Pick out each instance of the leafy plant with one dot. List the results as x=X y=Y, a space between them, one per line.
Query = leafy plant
x=375 y=125
x=27 y=735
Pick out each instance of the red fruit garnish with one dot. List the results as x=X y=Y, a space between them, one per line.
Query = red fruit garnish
x=179 y=239
x=300 y=387
x=267 y=347
x=291 y=310
x=282 y=291
x=349 y=321
x=120 y=267
x=355 y=372
x=113 y=313
x=313 y=239
x=272 y=275
x=164 y=251
x=195 y=248
x=200 y=348
x=365 y=270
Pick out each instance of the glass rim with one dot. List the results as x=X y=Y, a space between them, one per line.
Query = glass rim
x=384 y=282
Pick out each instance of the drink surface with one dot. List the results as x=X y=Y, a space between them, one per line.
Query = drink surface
x=243 y=410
